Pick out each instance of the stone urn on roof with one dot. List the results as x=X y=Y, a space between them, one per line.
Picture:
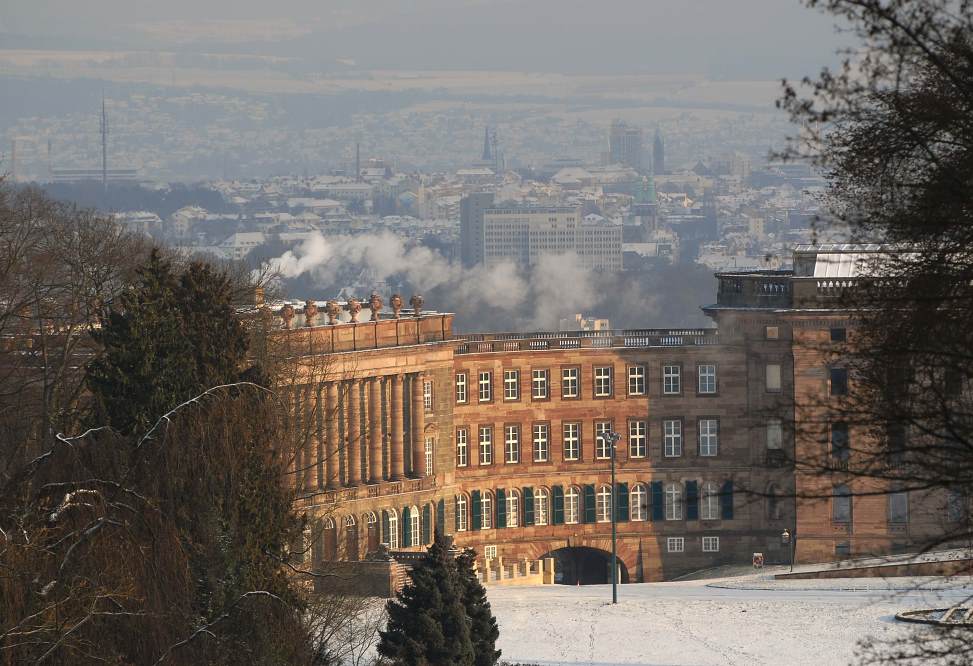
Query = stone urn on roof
x=333 y=310
x=396 y=303
x=416 y=302
x=375 y=305
x=354 y=307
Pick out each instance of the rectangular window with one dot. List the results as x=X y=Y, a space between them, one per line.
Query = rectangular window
x=771 y=332
x=671 y=379
x=603 y=382
x=603 y=449
x=569 y=382
x=462 y=447
x=542 y=433
x=709 y=435
x=485 y=387
x=572 y=441
x=427 y=395
x=773 y=377
x=511 y=444
x=511 y=385
x=490 y=552
x=706 y=375
x=899 y=508
x=461 y=396
x=429 y=457
x=676 y=544
x=636 y=380
x=838 y=335
x=540 y=388
x=486 y=445
x=775 y=434
x=636 y=439
x=711 y=544
x=672 y=438
x=838 y=381
x=840 y=441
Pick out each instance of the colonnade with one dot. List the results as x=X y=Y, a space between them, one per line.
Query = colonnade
x=353 y=432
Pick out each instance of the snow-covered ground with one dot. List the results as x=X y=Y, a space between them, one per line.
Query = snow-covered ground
x=741 y=620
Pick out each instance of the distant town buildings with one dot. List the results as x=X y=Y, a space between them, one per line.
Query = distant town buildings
x=625 y=145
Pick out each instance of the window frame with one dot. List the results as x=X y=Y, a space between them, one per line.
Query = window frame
x=893 y=519
x=484 y=446
x=462 y=513
x=713 y=543
x=564 y=440
x=486 y=510
x=844 y=496
x=644 y=435
x=509 y=428
x=715 y=420
x=429 y=453
x=599 y=427
x=637 y=374
x=511 y=384
x=775 y=335
x=480 y=384
x=638 y=502
x=462 y=445
x=542 y=507
x=545 y=377
x=671 y=380
x=576 y=369
x=843 y=384
x=768 y=388
x=461 y=388
x=715 y=378
x=534 y=441
x=575 y=493
x=775 y=425
x=603 y=387
x=603 y=507
x=675 y=544
x=674 y=500
x=511 y=500
x=427 y=401
x=677 y=438
x=709 y=501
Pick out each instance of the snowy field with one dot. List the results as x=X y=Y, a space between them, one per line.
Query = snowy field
x=742 y=620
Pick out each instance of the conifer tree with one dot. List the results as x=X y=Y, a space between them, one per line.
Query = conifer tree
x=483 y=625
x=427 y=623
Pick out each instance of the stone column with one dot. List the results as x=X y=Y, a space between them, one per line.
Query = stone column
x=397 y=447
x=320 y=418
x=294 y=395
x=375 y=430
x=418 y=428
x=353 y=452
x=332 y=460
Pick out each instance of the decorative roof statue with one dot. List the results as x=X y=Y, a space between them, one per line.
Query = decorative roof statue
x=416 y=303
x=287 y=314
x=396 y=303
x=310 y=313
x=332 y=309
x=354 y=307
x=375 y=305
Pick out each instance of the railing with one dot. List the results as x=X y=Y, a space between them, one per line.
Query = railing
x=640 y=338
x=383 y=489
x=757 y=289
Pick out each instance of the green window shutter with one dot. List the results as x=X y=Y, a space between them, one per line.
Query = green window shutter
x=441 y=517
x=501 y=509
x=528 y=506
x=477 y=511
x=658 y=501
x=426 y=523
x=406 y=525
x=692 y=501
x=557 y=505
x=726 y=501
x=621 y=507
x=386 y=529
x=589 y=504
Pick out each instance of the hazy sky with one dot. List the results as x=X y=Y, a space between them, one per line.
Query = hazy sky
x=723 y=38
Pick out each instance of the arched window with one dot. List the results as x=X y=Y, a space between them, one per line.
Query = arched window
x=351 y=538
x=542 y=506
x=603 y=504
x=349 y=521
x=638 y=502
x=674 y=501
x=773 y=503
x=710 y=502
x=513 y=508
x=415 y=527
x=371 y=532
x=328 y=523
x=462 y=523
x=329 y=538
x=841 y=504
x=391 y=536
x=572 y=499
x=486 y=510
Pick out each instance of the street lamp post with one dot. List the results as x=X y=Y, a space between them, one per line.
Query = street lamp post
x=787 y=539
x=610 y=438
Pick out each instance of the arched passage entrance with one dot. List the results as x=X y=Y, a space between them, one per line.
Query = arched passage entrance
x=580 y=565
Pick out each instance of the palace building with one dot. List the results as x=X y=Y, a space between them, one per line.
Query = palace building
x=494 y=438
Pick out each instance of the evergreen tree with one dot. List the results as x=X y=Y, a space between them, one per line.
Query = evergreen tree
x=483 y=625
x=427 y=623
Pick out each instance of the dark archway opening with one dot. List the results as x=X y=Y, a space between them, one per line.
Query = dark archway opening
x=581 y=565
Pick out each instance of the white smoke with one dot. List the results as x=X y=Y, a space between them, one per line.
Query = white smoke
x=554 y=287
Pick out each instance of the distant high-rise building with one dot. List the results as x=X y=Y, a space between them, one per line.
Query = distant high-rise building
x=625 y=145
x=472 y=207
x=658 y=154
x=487 y=145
